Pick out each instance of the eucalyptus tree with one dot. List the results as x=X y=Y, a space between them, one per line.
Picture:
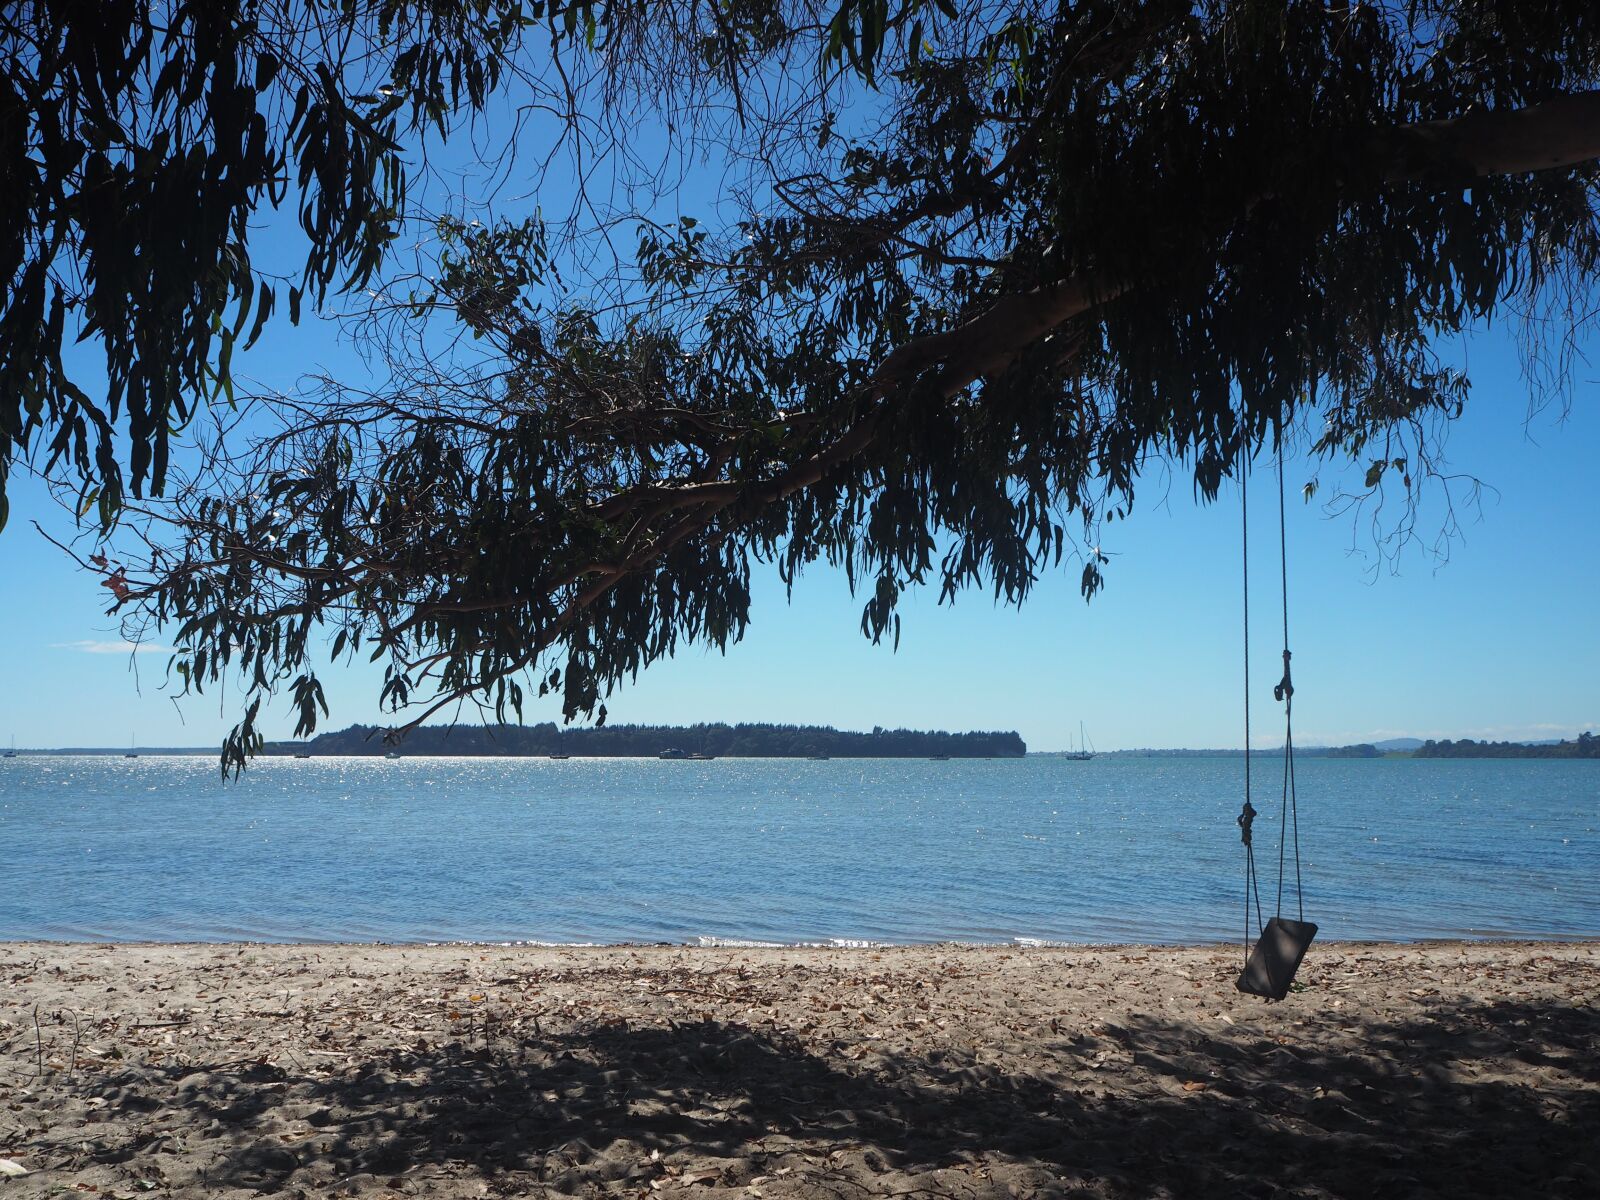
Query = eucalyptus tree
x=139 y=141
x=974 y=271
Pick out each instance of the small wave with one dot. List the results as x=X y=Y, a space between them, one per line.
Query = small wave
x=726 y=943
x=530 y=943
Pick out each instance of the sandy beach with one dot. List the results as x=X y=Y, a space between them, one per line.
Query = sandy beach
x=237 y=1070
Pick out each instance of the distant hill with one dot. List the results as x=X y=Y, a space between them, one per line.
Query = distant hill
x=648 y=741
x=1402 y=743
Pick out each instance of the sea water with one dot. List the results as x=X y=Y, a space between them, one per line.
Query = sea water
x=843 y=852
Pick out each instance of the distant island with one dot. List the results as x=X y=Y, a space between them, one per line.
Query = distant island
x=1361 y=751
x=1586 y=745
x=650 y=741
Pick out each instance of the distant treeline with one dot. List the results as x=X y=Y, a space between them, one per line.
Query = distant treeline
x=1362 y=751
x=647 y=741
x=1586 y=746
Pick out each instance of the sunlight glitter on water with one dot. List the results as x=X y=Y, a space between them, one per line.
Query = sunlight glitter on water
x=749 y=851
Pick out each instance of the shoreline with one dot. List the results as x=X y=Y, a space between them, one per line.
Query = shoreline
x=754 y=1073
x=1020 y=944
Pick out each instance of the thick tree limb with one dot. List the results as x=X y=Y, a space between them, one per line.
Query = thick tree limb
x=1559 y=133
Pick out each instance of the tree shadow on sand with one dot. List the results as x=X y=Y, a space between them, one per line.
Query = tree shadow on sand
x=1429 y=1106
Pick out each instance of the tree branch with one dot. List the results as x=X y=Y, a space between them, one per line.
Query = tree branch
x=1559 y=133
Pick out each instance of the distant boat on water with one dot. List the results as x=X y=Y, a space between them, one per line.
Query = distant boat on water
x=672 y=753
x=698 y=757
x=392 y=754
x=11 y=753
x=132 y=742
x=1081 y=751
x=302 y=756
x=938 y=758
x=559 y=757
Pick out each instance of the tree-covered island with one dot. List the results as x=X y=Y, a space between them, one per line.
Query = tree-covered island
x=1585 y=745
x=647 y=741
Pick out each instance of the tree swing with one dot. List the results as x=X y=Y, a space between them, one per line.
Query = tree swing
x=1270 y=966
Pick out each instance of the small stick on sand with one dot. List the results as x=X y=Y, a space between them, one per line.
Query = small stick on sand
x=38 y=1043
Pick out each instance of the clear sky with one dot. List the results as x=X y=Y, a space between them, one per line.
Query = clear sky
x=1501 y=641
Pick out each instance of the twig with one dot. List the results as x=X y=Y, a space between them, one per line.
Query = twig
x=693 y=992
x=38 y=1042
x=159 y=1024
x=77 y=1036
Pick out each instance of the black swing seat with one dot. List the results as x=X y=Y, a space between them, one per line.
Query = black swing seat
x=1276 y=957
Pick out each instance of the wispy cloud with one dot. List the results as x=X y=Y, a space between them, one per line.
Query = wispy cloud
x=89 y=646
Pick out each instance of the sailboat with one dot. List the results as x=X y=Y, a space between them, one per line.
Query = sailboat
x=1081 y=751
x=132 y=753
x=11 y=753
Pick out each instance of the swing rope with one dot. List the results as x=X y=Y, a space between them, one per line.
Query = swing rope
x=1289 y=814
x=1247 y=814
x=1270 y=965
x=1283 y=691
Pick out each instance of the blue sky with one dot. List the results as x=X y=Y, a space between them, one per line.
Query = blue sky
x=1500 y=641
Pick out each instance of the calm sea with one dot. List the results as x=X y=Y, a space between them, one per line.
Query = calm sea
x=761 y=850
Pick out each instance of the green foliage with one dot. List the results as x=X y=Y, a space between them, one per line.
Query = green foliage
x=140 y=142
x=995 y=263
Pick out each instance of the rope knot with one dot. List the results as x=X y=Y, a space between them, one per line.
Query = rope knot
x=1284 y=690
x=1246 y=818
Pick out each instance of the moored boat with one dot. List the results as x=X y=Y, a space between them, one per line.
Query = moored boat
x=1081 y=750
